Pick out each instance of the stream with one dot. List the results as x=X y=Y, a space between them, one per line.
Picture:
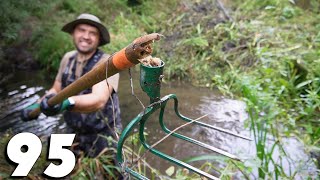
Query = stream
x=26 y=87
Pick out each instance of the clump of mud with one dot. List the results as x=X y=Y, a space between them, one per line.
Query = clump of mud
x=151 y=61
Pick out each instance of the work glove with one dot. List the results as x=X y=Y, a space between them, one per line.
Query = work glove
x=56 y=109
x=24 y=114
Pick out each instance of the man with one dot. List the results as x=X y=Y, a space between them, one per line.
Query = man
x=93 y=114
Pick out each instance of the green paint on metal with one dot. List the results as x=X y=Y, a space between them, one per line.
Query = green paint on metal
x=150 y=80
x=141 y=119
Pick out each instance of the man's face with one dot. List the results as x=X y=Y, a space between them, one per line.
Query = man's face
x=86 y=38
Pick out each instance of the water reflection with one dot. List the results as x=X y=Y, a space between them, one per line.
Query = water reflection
x=25 y=89
x=231 y=114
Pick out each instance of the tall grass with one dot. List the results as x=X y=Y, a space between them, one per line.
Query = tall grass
x=268 y=56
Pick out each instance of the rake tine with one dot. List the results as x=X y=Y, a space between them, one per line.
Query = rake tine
x=191 y=140
x=199 y=143
x=173 y=96
x=180 y=163
x=223 y=130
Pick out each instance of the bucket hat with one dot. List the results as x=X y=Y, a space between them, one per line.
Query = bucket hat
x=91 y=20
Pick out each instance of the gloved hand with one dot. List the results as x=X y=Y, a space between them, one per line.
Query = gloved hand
x=56 y=109
x=24 y=114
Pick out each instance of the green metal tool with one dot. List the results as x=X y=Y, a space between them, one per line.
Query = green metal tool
x=150 y=82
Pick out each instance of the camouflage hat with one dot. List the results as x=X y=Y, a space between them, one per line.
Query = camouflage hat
x=91 y=20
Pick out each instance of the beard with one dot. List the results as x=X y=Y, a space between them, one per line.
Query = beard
x=86 y=51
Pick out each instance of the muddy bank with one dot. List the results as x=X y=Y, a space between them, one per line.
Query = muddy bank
x=19 y=57
x=14 y=59
x=16 y=47
x=206 y=14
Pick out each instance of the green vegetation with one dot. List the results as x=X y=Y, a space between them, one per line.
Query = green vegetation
x=46 y=18
x=17 y=19
x=101 y=167
x=267 y=54
x=6 y=169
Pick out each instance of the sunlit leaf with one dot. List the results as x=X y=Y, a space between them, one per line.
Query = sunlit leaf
x=269 y=7
x=300 y=85
x=204 y=158
x=170 y=171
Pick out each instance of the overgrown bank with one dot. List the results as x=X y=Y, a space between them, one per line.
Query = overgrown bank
x=265 y=52
x=35 y=27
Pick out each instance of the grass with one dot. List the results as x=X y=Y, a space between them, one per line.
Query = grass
x=268 y=57
x=101 y=167
x=7 y=169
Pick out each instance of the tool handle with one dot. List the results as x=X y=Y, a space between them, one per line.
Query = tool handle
x=123 y=59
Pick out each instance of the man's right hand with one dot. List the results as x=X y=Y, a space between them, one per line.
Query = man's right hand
x=47 y=109
x=56 y=109
x=25 y=112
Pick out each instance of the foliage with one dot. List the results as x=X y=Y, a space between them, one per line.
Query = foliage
x=6 y=168
x=101 y=167
x=124 y=31
x=49 y=44
x=261 y=50
x=134 y=157
x=13 y=16
x=267 y=55
x=287 y=60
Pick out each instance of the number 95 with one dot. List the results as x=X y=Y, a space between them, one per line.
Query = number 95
x=25 y=148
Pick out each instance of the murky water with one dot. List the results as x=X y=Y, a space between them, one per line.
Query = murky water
x=26 y=87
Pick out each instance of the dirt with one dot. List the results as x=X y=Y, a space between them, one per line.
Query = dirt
x=188 y=15
x=16 y=56
x=20 y=58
